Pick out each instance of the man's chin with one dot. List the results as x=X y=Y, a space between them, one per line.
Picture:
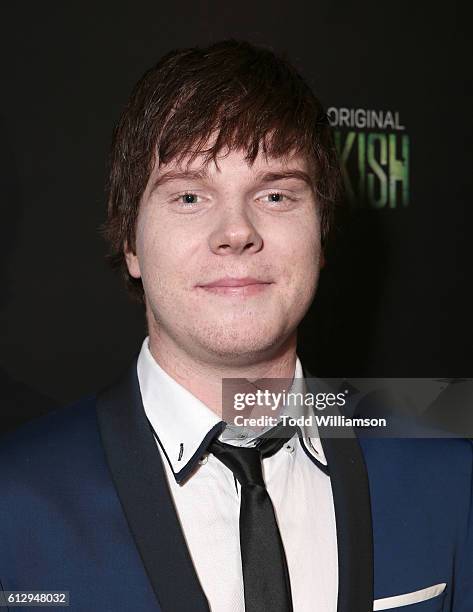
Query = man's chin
x=243 y=350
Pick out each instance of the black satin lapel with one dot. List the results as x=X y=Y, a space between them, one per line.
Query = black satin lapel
x=140 y=480
x=350 y=488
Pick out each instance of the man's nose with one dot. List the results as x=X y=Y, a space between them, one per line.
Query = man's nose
x=235 y=234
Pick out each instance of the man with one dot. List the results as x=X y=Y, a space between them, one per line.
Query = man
x=222 y=187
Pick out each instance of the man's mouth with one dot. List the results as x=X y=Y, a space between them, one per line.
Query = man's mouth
x=233 y=286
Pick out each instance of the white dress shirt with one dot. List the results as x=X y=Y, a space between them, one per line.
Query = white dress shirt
x=207 y=497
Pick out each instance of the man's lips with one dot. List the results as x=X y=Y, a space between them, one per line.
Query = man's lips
x=236 y=286
x=234 y=282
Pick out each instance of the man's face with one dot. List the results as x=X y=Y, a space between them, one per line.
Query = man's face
x=229 y=256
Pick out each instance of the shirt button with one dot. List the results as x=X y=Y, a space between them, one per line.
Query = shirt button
x=289 y=448
x=203 y=460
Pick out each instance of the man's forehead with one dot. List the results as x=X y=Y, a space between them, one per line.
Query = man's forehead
x=200 y=165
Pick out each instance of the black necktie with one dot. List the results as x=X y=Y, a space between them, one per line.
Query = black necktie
x=265 y=574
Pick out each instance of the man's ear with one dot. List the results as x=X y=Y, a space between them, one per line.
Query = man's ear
x=132 y=262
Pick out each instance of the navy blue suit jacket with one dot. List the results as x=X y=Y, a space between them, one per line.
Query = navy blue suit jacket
x=85 y=507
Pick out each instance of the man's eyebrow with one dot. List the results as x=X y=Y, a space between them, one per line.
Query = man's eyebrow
x=271 y=177
x=201 y=174
x=174 y=175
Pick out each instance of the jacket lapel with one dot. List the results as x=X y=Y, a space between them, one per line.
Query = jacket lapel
x=351 y=497
x=140 y=480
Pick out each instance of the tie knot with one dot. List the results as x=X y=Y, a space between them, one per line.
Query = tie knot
x=244 y=462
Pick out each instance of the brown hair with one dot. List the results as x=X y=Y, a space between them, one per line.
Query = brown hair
x=244 y=95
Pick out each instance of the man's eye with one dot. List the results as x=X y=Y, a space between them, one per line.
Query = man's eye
x=276 y=197
x=187 y=198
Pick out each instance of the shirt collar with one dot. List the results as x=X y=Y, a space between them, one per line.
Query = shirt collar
x=308 y=434
x=182 y=424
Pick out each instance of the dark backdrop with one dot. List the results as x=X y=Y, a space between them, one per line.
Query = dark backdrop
x=394 y=298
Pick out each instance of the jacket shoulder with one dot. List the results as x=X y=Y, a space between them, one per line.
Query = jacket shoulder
x=442 y=455
x=51 y=443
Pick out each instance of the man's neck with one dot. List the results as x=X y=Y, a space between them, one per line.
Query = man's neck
x=203 y=377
